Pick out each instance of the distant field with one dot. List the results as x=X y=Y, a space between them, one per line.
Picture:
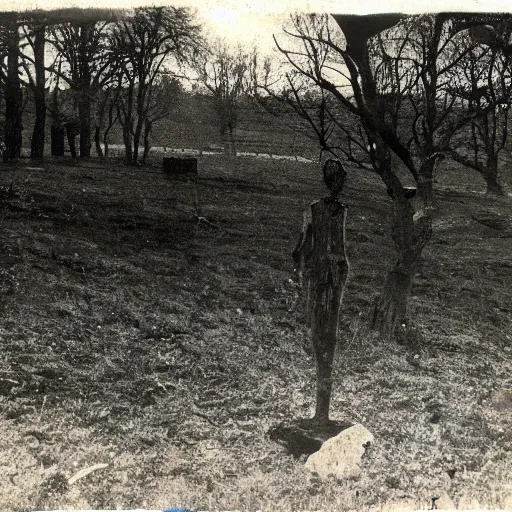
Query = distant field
x=134 y=336
x=194 y=125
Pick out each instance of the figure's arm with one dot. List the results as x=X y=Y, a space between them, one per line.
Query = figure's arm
x=296 y=254
x=304 y=245
x=301 y=252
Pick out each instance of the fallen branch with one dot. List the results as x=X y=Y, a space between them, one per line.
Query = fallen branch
x=207 y=418
x=216 y=226
x=204 y=220
x=84 y=472
x=201 y=219
x=257 y=459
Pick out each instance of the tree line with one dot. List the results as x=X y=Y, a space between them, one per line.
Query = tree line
x=392 y=93
x=92 y=68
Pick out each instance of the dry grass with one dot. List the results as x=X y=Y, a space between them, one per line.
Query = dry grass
x=136 y=337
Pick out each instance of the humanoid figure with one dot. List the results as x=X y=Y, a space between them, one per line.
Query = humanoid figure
x=322 y=267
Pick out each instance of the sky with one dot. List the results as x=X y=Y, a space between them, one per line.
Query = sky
x=250 y=22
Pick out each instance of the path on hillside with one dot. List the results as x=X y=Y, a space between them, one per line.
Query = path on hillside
x=118 y=150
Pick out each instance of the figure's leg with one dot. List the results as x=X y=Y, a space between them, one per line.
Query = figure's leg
x=324 y=355
x=324 y=327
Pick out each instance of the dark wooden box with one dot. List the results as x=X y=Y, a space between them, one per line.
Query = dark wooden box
x=57 y=136
x=180 y=166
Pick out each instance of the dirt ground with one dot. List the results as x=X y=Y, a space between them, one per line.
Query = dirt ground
x=163 y=348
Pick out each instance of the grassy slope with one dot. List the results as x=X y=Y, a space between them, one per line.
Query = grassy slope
x=194 y=124
x=133 y=336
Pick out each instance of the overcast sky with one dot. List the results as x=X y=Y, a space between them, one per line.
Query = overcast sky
x=248 y=22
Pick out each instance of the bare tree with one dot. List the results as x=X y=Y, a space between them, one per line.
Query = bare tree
x=143 y=45
x=313 y=112
x=397 y=85
x=34 y=27
x=83 y=46
x=35 y=36
x=163 y=98
x=106 y=116
x=3 y=78
x=484 y=76
x=12 y=86
x=225 y=73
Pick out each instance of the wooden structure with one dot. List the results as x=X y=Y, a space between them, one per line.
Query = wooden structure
x=180 y=166
x=58 y=140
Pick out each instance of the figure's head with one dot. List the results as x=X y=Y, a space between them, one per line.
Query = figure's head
x=334 y=176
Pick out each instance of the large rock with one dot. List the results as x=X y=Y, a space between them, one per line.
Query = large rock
x=306 y=436
x=444 y=502
x=341 y=456
x=506 y=502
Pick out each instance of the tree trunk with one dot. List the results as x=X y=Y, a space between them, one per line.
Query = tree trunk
x=111 y=122
x=141 y=118
x=13 y=98
x=326 y=271
x=127 y=144
x=425 y=190
x=101 y=111
x=491 y=178
x=97 y=141
x=105 y=139
x=127 y=123
x=71 y=133
x=84 y=116
x=37 y=143
x=127 y=139
x=136 y=141
x=390 y=309
x=409 y=236
x=84 y=90
x=147 y=143
x=425 y=185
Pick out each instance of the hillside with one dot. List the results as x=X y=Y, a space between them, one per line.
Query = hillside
x=134 y=336
x=193 y=124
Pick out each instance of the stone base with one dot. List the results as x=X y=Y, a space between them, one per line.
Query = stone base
x=306 y=436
